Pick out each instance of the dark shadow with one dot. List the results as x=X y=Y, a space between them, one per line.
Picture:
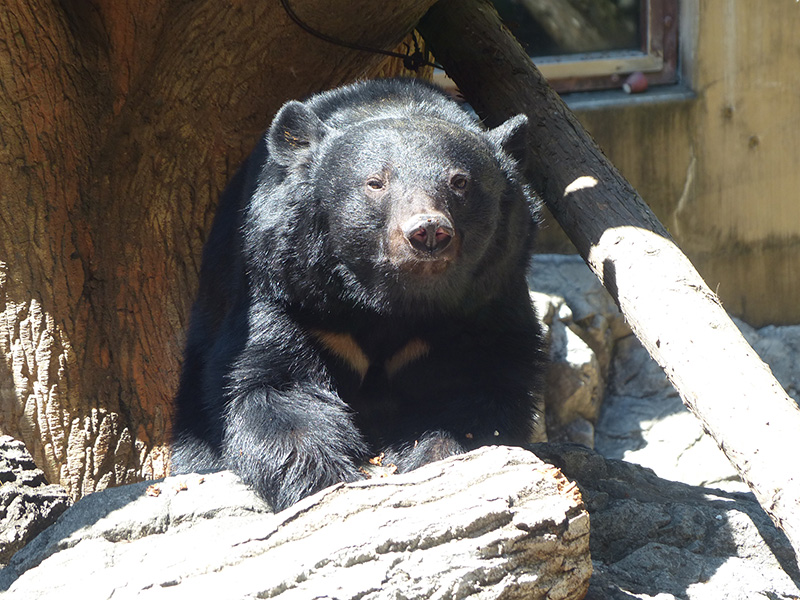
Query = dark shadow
x=610 y=279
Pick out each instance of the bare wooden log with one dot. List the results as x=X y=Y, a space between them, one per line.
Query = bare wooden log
x=494 y=523
x=668 y=305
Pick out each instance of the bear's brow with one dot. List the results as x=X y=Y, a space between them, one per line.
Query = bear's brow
x=431 y=129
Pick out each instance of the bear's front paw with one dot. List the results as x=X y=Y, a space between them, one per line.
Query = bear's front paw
x=283 y=479
x=433 y=446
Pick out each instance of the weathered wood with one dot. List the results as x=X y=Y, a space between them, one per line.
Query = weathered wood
x=494 y=523
x=669 y=307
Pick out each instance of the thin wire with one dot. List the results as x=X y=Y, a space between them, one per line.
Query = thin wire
x=411 y=62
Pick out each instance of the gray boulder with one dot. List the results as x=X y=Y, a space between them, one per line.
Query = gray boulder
x=653 y=538
x=605 y=392
x=581 y=326
x=641 y=419
x=644 y=421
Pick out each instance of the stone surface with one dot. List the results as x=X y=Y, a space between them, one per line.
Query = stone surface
x=653 y=538
x=644 y=421
x=636 y=414
x=581 y=325
x=27 y=504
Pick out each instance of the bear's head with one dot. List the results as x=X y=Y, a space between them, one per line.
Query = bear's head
x=405 y=209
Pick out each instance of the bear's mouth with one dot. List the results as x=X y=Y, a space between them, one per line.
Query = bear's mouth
x=424 y=267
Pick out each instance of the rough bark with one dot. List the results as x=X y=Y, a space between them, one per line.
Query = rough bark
x=669 y=307
x=120 y=122
x=494 y=523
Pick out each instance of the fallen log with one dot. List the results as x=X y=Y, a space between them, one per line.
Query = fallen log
x=494 y=523
x=667 y=304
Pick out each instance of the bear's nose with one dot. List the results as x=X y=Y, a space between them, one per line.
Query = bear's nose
x=429 y=233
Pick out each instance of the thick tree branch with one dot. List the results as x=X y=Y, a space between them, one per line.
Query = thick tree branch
x=669 y=307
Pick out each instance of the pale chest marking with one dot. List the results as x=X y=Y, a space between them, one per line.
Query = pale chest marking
x=346 y=348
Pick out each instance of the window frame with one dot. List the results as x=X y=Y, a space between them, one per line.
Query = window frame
x=657 y=58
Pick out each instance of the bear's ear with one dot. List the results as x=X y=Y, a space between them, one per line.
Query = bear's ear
x=512 y=137
x=294 y=134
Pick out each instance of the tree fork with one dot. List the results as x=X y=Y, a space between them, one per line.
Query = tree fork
x=668 y=305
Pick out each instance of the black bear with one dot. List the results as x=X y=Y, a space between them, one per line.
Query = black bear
x=363 y=290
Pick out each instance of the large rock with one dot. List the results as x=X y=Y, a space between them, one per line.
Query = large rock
x=28 y=505
x=604 y=391
x=644 y=421
x=653 y=538
x=641 y=419
x=581 y=325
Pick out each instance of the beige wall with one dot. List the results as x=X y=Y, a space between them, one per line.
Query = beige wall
x=722 y=169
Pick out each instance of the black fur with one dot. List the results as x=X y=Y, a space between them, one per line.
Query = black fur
x=331 y=325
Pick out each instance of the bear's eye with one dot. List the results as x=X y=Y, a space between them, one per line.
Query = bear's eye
x=375 y=184
x=459 y=182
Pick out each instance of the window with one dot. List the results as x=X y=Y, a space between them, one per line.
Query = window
x=595 y=44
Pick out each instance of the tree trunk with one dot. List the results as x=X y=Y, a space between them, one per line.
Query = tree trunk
x=120 y=122
x=669 y=307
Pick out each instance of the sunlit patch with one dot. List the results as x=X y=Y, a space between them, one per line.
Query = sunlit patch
x=581 y=183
